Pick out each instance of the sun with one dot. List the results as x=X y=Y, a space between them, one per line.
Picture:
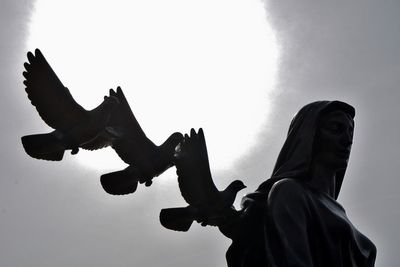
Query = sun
x=182 y=64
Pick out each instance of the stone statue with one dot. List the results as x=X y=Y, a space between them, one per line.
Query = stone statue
x=112 y=123
x=74 y=127
x=207 y=205
x=293 y=218
x=146 y=160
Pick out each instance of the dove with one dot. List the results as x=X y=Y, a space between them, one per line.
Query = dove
x=73 y=125
x=146 y=160
x=206 y=203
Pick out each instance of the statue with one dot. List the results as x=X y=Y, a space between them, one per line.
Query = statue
x=74 y=126
x=146 y=160
x=112 y=123
x=207 y=204
x=293 y=218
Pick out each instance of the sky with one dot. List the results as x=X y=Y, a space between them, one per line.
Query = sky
x=56 y=214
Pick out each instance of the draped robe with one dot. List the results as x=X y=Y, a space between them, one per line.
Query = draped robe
x=286 y=222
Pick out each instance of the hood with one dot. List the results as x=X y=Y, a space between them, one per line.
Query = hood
x=295 y=157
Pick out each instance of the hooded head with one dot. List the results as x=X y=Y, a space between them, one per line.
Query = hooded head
x=295 y=158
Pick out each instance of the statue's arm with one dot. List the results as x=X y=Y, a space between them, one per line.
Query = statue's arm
x=241 y=222
x=230 y=222
x=288 y=215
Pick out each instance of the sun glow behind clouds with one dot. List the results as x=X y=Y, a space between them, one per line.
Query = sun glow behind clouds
x=181 y=64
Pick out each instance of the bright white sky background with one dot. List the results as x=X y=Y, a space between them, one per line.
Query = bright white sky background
x=239 y=68
x=180 y=63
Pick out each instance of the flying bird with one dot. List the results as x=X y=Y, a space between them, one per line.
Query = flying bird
x=206 y=203
x=74 y=126
x=146 y=160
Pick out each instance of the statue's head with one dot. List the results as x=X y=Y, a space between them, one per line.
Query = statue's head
x=333 y=139
x=312 y=133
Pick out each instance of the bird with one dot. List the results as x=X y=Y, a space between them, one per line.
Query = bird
x=74 y=127
x=207 y=205
x=146 y=160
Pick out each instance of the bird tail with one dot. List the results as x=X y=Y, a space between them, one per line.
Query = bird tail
x=177 y=219
x=119 y=182
x=43 y=146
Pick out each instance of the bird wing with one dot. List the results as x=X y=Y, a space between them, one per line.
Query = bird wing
x=101 y=141
x=52 y=99
x=193 y=169
x=133 y=142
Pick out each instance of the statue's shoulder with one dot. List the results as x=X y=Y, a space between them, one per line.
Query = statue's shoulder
x=287 y=185
x=287 y=190
x=254 y=199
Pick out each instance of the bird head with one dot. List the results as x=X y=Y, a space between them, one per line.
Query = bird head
x=236 y=186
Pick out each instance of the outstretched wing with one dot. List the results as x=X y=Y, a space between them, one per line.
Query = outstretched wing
x=51 y=98
x=101 y=141
x=133 y=142
x=193 y=169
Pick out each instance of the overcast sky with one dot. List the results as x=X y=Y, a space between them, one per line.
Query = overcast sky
x=58 y=215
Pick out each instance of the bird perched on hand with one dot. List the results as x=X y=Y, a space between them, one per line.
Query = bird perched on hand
x=74 y=126
x=146 y=160
x=206 y=204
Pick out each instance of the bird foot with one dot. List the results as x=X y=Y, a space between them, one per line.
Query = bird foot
x=74 y=151
x=203 y=224
x=148 y=183
x=202 y=220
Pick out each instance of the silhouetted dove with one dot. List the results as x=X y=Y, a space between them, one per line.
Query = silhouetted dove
x=146 y=160
x=206 y=204
x=74 y=126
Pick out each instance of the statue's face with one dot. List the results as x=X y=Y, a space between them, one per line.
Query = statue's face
x=334 y=140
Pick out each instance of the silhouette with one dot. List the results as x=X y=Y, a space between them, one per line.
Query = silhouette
x=74 y=126
x=206 y=204
x=145 y=159
x=293 y=218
